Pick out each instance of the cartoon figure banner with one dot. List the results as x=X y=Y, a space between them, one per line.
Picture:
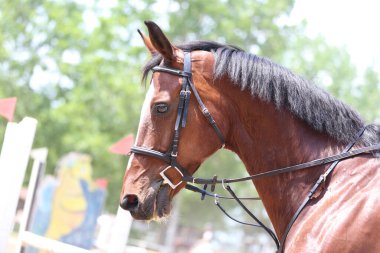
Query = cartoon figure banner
x=68 y=206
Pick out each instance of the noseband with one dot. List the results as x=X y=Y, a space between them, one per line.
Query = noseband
x=170 y=157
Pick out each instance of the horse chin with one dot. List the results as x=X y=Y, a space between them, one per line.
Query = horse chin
x=156 y=205
x=163 y=203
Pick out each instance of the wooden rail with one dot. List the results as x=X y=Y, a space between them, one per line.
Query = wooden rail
x=49 y=245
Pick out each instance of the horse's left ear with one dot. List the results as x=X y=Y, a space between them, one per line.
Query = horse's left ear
x=160 y=42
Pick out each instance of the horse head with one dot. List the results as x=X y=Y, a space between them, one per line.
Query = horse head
x=173 y=125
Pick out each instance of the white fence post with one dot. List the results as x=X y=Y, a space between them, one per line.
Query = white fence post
x=14 y=159
x=120 y=232
x=39 y=156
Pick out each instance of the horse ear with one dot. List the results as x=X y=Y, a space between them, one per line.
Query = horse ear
x=147 y=43
x=160 y=42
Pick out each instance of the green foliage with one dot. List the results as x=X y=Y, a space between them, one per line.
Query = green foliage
x=76 y=68
x=365 y=96
x=79 y=78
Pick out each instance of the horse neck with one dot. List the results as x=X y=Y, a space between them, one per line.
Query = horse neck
x=266 y=138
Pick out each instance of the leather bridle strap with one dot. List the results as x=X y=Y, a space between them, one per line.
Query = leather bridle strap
x=314 y=163
x=207 y=114
x=184 y=97
x=205 y=111
x=153 y=153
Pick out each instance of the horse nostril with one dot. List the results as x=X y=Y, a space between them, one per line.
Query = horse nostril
x=129 y=202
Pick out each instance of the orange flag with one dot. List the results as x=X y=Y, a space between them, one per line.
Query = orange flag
x=123 y=146
x=7 y=108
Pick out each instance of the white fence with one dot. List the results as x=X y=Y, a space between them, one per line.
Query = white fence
x=14 y=158
x=49 y=245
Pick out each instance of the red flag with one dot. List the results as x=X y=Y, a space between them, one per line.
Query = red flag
x=7 y=108
x=101 y=183
x=123 y=146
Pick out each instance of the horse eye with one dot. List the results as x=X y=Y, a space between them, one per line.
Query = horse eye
x=161 y=108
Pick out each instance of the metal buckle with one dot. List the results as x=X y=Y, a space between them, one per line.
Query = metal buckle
x=167 y=180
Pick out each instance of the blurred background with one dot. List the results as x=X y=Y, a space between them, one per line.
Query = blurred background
x=75 y=66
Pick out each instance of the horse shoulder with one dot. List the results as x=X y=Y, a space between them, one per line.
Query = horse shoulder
x=347 y=217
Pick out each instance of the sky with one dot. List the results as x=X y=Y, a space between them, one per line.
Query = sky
x=345 y=23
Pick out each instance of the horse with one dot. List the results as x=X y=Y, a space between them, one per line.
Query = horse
x=204 y=96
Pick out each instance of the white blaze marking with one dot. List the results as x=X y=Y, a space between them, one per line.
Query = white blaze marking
x=145 y=112
x=144 y=116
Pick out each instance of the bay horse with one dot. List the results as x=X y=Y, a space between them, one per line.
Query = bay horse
x=204 y=96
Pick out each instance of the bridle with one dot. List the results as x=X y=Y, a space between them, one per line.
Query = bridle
x=170 y=157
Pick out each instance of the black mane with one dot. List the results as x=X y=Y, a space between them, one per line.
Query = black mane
x=276 y=84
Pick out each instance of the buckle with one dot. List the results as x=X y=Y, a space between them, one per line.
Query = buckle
x=167 y=180
x=183 y=94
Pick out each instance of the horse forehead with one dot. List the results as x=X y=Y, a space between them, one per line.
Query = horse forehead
x=163 y=84
x=202 y=56
x=203 y=62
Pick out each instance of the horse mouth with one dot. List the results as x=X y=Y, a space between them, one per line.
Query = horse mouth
x=163 y=203
x=156 y=205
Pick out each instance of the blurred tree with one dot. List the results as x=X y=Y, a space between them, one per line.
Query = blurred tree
x=75 y=66
x=366 y=94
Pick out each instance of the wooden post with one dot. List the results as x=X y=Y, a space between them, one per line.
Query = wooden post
x=14 y=159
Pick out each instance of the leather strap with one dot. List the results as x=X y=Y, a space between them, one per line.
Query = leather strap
x=215 y=195
x=186 y=85
x=151 y=152
x=172 y=71
x=268 y=230
x=182 y=107
x=317 y=162
x=166 y=157
x=207 y=114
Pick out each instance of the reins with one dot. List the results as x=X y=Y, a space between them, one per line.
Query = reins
x=170 y=157
x=322 y=161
